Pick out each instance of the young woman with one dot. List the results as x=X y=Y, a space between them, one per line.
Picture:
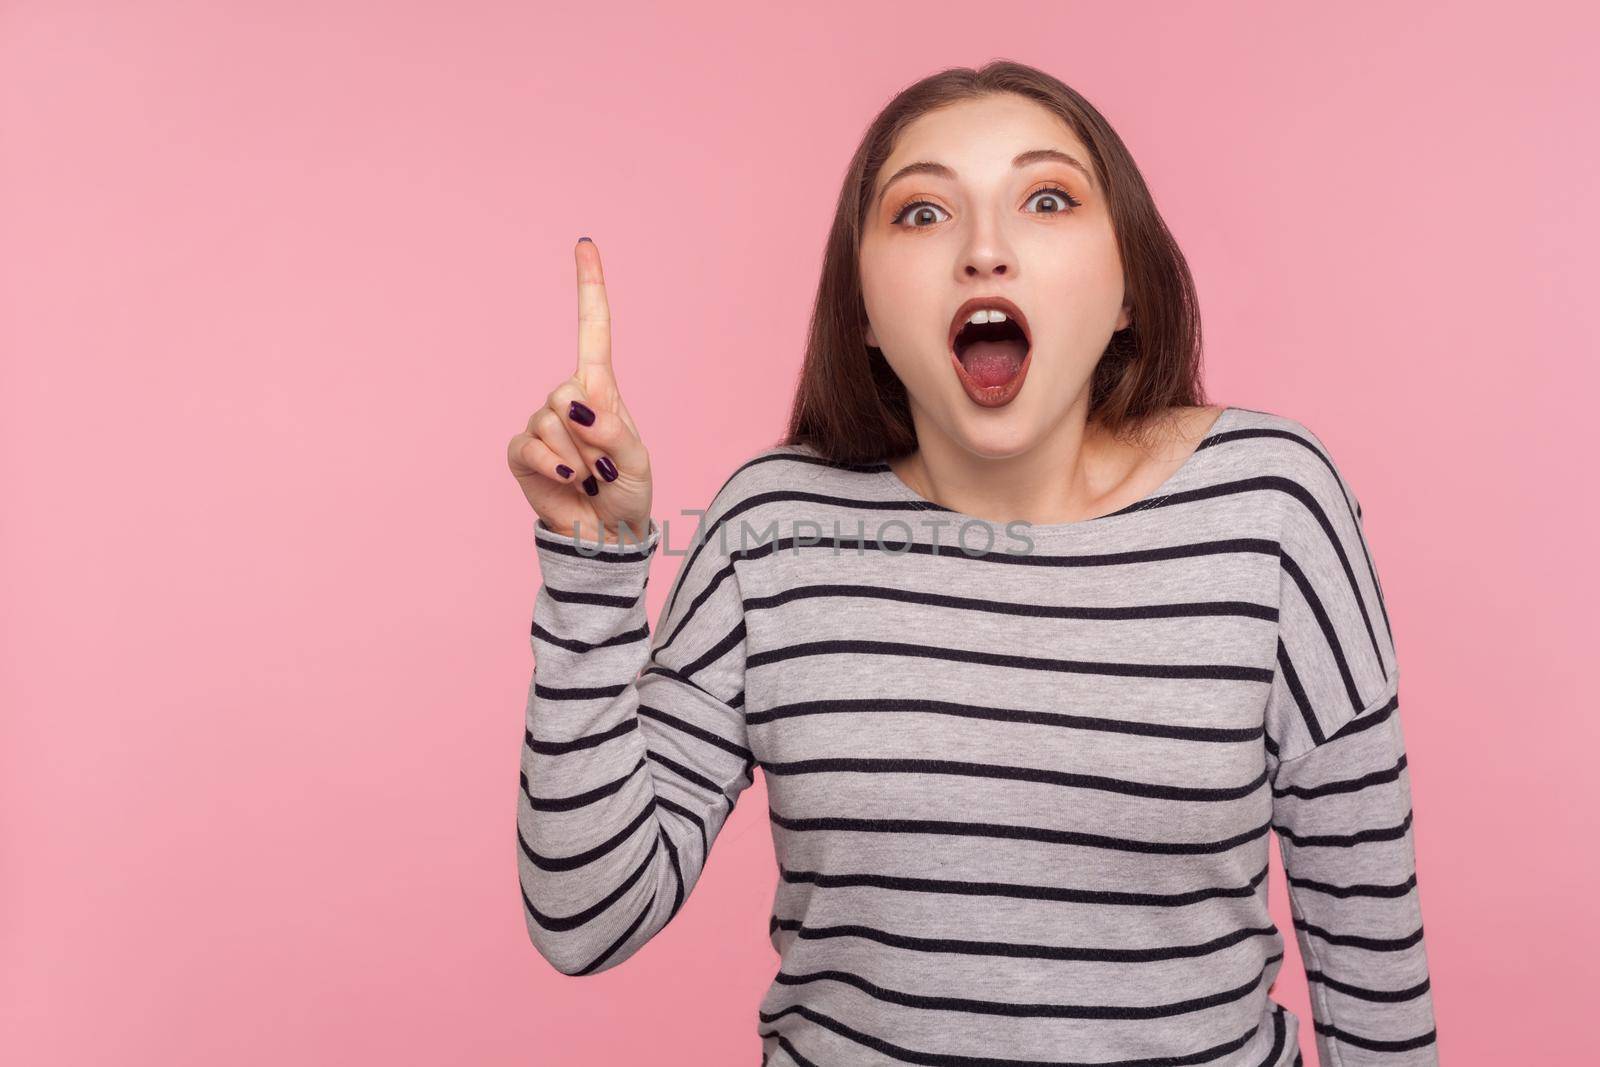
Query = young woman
x=1032 y=646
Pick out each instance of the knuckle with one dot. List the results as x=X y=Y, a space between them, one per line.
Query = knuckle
x=555 y=438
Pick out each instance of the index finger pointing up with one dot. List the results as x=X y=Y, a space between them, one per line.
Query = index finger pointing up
x=594 y=314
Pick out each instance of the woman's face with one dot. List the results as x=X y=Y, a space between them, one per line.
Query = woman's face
x=990 y=228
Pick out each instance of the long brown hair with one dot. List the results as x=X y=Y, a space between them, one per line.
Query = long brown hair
x=849 y=404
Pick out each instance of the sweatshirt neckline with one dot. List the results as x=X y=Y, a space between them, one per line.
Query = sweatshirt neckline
x=1095 y=522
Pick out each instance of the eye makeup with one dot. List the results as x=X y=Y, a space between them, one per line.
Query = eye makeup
x=1052 y=189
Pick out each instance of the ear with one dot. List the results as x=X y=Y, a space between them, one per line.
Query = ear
x=1124 y=317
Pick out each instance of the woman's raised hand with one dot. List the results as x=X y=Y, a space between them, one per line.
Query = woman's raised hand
x=580 y=462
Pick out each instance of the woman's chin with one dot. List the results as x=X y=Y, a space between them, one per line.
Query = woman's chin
x=996 y=433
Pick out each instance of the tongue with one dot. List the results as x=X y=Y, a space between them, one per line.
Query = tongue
x=991 y=363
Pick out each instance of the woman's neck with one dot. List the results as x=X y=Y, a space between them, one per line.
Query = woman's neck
x=1077 y=472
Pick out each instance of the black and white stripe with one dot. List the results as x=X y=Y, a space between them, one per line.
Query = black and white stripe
x=1021 y=802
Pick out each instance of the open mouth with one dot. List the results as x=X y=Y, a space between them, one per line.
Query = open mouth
x=990 y=345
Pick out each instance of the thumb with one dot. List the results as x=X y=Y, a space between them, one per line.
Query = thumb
x=600 y=431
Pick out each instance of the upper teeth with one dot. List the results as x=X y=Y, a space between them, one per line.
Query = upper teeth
x=983 y=315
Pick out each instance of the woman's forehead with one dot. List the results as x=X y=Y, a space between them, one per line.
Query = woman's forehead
x=981 y=135
x=985 y=120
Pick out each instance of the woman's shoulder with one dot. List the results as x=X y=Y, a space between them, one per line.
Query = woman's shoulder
x=778 y=472
x=1285 y=454
x=1244 y=443
x=1277 y=443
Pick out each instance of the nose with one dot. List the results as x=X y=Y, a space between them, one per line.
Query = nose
x=987 y=252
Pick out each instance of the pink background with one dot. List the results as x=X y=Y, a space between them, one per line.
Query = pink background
x=278 y=282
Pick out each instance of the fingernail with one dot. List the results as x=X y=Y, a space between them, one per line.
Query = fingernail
x=579 y=412
x=591 y=486
x=585 y=239
x=608 y=469
x=563 y=470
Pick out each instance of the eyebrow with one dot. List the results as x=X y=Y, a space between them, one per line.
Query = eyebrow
x=939 y=170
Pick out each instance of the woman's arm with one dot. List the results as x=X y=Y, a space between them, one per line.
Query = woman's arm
x=627 y=776
x=632 y=755
x=1341 y=789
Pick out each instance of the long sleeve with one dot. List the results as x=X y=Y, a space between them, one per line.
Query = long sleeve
x=635 y=750
x=1341 y=789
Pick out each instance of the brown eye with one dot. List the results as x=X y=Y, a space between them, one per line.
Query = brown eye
x=1064 y=198
x=903 y=212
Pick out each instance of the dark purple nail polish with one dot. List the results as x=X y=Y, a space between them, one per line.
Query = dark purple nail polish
x=591 y=486
x=563 y=470
x=608 y=469
x=585 y=239
x=580 y=412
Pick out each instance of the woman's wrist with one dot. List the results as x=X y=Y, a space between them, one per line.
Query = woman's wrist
x=621 y=534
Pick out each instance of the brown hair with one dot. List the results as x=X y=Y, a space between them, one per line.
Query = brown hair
x=849 y=404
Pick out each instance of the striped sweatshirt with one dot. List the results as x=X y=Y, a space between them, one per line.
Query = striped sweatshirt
x=1020 y=778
